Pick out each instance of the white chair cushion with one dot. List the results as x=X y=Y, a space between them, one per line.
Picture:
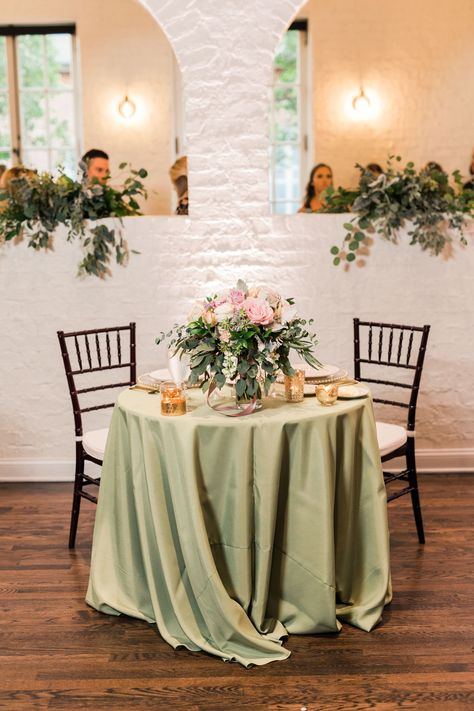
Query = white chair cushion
x=94 y=442
x=390 y=437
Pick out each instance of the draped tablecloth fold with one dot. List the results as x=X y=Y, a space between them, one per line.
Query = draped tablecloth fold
x=231 y=533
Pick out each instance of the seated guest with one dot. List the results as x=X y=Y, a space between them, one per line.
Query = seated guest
x=470 y=183
x=433 y=167
x=375 y=169
x=320 y=179
x=7 y=182
x=97 y=165
x=179 y=178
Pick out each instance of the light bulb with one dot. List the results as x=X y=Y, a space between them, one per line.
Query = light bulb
x=361 y=105
x=127 y=108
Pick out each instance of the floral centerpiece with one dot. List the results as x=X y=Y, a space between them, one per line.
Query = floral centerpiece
x=242 y=336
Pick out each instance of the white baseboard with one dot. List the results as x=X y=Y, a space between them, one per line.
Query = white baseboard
x=25 y=470
x=445 y=460
x=36 y=470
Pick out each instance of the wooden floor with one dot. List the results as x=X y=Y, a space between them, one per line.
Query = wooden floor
x=56 y=653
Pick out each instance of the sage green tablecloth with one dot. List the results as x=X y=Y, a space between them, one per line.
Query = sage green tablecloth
x=230 y=533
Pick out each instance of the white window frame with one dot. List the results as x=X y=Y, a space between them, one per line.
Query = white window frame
x=17 y=147
x=303 y=93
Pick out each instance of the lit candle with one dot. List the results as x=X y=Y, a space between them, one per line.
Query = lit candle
x=294 y=386
x=173 y=399
x=326 y=394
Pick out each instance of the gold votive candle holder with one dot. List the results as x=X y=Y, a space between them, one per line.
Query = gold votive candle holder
x=294 y=386
x=173 y=399
x=327 y=394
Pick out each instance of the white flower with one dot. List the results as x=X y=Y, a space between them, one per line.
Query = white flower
x=196 y=311
x=229 y=365
x=224 y=311
x=288 y=313
x=264 y=292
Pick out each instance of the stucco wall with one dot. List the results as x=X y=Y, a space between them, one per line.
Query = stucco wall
x=226 y=60
x=121 y=49
x=416 y=61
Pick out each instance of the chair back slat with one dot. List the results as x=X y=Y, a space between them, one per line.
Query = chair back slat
x=80 y=391
x=97 y=348
x=403 y=349
x=378 y=381
x=390 y=345
x=400 y=345
x=392 y=363
x=78 y=352
x=395 y=403
x=88 y=352
x=107 y=342
x=87 y=349
x=410 y=346
x=119 y=350
x=98 y=407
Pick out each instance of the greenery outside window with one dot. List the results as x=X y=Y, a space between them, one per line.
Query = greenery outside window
x=289 y=154
x=38 y=107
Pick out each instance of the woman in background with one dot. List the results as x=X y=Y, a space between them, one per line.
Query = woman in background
x=11 y=179
x=320 y=179
x=179 y=178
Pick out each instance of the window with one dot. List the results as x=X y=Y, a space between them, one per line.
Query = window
x=38 y=117
x=288 y=131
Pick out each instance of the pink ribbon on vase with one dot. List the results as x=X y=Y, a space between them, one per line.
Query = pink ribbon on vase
x=231 y=410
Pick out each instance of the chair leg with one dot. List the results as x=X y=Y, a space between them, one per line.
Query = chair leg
x=76 y=500
x=415 y=497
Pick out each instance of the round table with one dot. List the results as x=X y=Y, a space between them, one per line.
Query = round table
x=230 y=533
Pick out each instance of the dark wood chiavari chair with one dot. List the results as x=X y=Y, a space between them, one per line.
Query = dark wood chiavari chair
x=394 y=348
x=86 y=355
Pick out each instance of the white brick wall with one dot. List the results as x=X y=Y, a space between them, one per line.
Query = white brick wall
x=228 y=235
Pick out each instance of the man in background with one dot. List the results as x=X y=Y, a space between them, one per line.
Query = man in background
x=97 y=165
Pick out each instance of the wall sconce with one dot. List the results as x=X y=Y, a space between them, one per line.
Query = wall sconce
x=361 y=105
x=127 y=108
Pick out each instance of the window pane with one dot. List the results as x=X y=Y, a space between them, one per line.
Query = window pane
x=286 y=113
x=65 y=159
x=36 y=159
x=4 y=121
x=31 y=60
x=3 y=64
x=61 y=119
x=33 y=119
x=286 y=59
x=286 y=208
x=287 y=173
x=59 y=57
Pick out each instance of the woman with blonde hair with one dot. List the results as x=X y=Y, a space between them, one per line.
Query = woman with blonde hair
x=8 y=179
x=179 y=178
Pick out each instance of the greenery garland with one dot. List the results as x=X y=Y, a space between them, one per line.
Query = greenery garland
x=384 y=204
x=33 y=206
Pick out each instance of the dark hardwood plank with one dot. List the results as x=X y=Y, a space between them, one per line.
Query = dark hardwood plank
x=57 y=653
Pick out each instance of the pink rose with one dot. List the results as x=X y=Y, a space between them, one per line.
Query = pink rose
x=258 y=311
x=236 y=296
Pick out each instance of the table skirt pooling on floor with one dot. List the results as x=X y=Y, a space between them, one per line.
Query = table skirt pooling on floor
x=231 y=533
